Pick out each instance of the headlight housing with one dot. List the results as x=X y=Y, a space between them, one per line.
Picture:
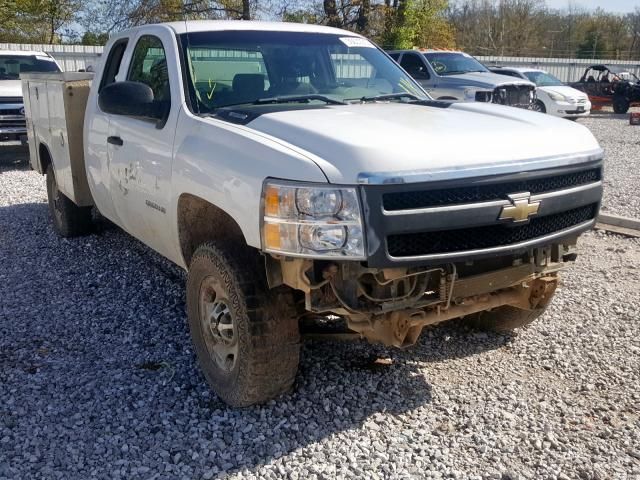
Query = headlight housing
x=315 y=221
x=470 y=93
x=556 y=97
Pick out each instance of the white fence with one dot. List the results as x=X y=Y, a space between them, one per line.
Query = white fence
x=566 y=69
x=76 y=57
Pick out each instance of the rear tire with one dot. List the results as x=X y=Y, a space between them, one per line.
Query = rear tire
x=69 y=220
x=246 y=336
x=504 y=319
x=620 y=104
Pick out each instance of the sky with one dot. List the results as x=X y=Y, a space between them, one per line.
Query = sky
x=622 y=6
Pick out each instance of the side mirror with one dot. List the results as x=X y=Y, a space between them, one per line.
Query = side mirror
x=133 y=99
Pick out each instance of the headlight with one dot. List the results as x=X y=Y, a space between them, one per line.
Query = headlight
x=556 y=97
x=312 y=221
x=470 y=92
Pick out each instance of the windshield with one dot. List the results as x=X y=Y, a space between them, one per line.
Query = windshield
x=11 y=66
x=623 y=74
x=236 y=67
x=543 y=79
x=448 y=63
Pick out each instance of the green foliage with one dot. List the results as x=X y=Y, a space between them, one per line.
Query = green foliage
x=91 y=38
x=424 y=26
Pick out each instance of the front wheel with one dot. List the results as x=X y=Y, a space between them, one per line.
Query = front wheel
x=620 y=104
x=69 y=220
x=538 y=106
x=246 y=336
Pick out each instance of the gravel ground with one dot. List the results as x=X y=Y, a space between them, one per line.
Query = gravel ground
x=98 y=377
x=621 y=143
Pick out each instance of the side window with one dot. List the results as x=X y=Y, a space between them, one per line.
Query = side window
x=112 y=66
x=395 y=56
x=149 y=66
x=414 y=66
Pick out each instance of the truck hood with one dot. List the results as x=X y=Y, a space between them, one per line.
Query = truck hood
x=483 y=79
x=10 y=88
x=350 y=141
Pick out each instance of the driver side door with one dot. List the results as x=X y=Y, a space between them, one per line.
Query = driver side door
x=414 y=65
x=141 y=150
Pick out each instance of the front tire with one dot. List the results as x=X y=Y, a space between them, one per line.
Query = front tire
x=539 y=107
x=620 y=104
x=69 y=220
x=246 y=336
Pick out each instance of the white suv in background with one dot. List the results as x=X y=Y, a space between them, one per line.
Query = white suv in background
x=13 y=129
x=554 y=96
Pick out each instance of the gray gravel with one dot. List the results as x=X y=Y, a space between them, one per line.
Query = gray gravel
x=98 y=377
x=621 y=143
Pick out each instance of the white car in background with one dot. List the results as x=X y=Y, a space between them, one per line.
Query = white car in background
x=554 y=96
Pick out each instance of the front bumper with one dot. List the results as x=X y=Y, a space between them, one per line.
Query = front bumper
x=13 y=124
x=569 y=109
x=428 y=223
x=13 y=135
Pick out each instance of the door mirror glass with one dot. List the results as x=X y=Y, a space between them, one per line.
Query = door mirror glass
x=132 y=99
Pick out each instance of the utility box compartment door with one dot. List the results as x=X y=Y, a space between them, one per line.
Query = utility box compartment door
x=55 y=118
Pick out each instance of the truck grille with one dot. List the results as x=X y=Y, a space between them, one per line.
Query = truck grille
x=482 y=193
x=512 y=95
x=12 y=122
x=426 y=243
x=431 y=222
x=10 y=100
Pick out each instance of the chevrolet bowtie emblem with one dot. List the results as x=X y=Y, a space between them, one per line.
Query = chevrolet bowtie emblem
x=521 y=208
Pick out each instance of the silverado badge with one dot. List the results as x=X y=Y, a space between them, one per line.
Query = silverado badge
x=521 y=208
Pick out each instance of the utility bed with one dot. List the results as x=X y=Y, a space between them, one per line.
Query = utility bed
x=55 y=104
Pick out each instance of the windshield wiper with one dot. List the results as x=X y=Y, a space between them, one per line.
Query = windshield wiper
x=387 y=96
x=298 y=98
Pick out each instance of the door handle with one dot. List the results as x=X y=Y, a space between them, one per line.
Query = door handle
x=115 y=141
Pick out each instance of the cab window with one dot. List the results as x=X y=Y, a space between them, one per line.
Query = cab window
x=149 y=66
x=414 y=66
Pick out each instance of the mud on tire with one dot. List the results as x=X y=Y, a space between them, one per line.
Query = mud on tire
x=69 y=220
x=246 y=336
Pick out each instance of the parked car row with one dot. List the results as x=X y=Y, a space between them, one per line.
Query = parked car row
x=457 y=76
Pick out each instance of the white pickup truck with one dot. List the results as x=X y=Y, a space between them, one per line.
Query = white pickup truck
x=297 y=171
